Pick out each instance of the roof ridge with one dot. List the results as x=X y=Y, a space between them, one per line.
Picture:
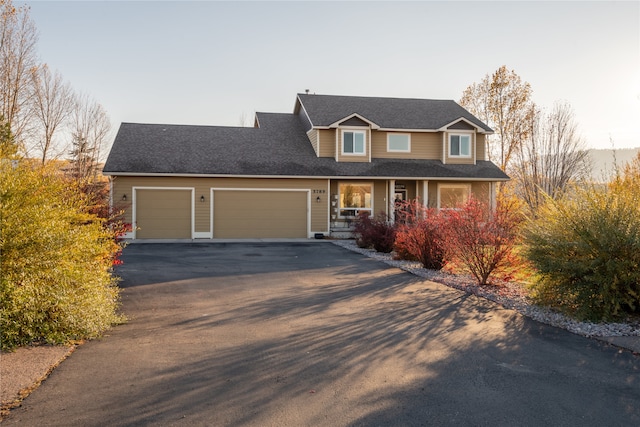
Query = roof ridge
x=377 y=97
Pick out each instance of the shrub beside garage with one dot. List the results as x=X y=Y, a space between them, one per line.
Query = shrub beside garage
x=56 y=279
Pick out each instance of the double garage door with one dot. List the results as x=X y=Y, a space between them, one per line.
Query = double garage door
x=237 y=214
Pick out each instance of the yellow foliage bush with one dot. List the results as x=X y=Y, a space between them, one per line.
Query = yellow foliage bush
x=56 y=281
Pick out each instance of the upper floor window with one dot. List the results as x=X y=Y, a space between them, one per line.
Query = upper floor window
x=459 y=145
x=399 y=142
x=353 y=142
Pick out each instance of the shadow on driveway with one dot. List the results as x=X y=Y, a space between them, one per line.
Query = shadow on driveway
x=312 y=334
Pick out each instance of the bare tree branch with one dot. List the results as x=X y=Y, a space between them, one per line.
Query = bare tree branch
x=18 y=38
x=52 y=103
x=90 y=133
x=554 y=156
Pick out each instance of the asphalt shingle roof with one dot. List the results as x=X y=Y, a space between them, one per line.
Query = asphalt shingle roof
x=388 y=113
x=279 y=147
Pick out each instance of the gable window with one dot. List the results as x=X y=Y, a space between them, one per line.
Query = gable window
x=459 y=145
x=354 y=198
x=399 y=142
x=353 y=142
x=452 y=196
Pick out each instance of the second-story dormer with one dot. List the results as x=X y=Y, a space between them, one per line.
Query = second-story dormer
x=359 y=129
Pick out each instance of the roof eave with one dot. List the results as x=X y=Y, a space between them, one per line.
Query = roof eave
x=204 y=175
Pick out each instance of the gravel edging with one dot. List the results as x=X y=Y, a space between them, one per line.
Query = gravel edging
x=511 y=296
x=22 y=371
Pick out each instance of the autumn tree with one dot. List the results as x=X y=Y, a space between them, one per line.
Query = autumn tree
x=553 y=157
x=52 y=103
x=503 y=101
x=8 y=148
x=18 y=37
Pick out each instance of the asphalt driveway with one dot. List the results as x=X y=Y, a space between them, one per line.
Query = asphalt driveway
x=302 y=334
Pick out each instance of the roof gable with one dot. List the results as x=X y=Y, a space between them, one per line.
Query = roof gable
x=461 y=124
x=354 y=120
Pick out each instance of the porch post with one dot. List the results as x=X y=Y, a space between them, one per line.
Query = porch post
x=392 y=200
x=492 y=196
x=425 y=193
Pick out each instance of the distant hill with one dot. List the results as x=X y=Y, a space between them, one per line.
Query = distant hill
x=604 y=162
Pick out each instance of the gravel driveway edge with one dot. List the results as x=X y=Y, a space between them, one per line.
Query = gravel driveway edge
x=22 y=371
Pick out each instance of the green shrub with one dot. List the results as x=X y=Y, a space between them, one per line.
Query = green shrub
x=378 y=233
x=56 y=283
x=586 y=248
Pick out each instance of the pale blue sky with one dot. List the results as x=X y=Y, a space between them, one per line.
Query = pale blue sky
x=211 y=62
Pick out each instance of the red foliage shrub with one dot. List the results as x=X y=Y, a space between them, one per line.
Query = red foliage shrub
x=419 y=236
x=480 y=239
x=378 y=233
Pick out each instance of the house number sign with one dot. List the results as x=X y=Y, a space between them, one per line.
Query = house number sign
x=319 y=191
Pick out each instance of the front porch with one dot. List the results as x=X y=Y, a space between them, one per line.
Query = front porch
x=348 y=198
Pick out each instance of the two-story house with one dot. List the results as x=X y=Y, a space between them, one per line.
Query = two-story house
x=298 y=174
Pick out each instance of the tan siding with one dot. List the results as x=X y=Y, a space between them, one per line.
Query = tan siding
x=327 y=142
x=260 y=214
x=202 y=220
x=380 y=197
x=313 y=138
x=424 y=145
x=163 y=214
x=428 y=145
x=351 y=158
x=120 y=186
x=433 y=194
x=379 y=144
x=202 y=186
x=481 y=147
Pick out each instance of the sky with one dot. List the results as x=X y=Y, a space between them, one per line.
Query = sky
x=216 y=63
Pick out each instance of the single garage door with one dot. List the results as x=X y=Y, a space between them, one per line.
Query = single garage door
x=163 y=214
x=241 y=214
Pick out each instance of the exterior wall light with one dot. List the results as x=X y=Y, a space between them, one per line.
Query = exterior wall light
x=124 y=197
x=318 y=199
x=201 y=199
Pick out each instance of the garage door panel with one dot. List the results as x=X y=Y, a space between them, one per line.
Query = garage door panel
x=260 y=214
x=163 y=214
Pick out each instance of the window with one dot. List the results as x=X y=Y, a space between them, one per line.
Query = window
x=451 y=196
x=459 y=145
x=353 y=142
x=354 y=198
x=399 y=142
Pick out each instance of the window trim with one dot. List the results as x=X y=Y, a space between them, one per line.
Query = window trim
x=452 y=185
x=364 y=144
x=461 y=156
x=408 y=135
x=358 y=210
